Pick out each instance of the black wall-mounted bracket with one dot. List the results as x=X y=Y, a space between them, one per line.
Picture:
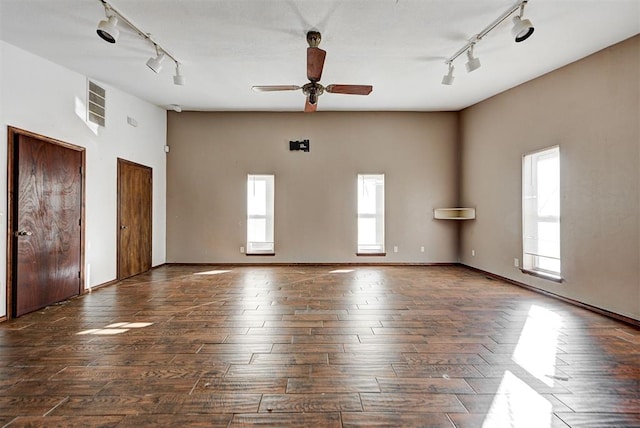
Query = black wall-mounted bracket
x=303 y=145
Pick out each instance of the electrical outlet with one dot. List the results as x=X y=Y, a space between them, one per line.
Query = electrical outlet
x=422 y=249
x=395 y=249
x=516 y=262
x=473 y=253
x=241 y=250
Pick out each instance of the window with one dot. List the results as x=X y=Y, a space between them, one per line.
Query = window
x=370 y=214
x=541 y=212
x=260 y=197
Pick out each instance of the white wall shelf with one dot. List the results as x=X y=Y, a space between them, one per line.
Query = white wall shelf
x=454 y=213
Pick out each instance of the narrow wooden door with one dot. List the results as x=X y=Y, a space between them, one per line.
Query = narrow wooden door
x=134 y=218
x=47 y=234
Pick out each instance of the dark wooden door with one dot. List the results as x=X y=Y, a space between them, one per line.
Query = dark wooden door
x=134 y=218
x=47 y=223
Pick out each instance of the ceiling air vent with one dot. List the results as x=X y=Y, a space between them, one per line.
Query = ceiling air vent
x=95 y=104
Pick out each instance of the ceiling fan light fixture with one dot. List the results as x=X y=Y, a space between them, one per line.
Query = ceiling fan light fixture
x=108 y=29
x=522 y=29
x=179 y=79
x=448 y=78
x=155 y=64
x=472 y=62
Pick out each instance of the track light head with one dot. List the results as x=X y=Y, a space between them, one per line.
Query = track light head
x=108 y=29
x=178 y=79
x=472 y=63
x=522 y=29
x=155 y=64
x=448 y=78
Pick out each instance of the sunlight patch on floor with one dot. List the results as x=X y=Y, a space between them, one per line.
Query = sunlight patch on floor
x=516 y=404
x=212 y=272
x=116 y=328
x=537 y=346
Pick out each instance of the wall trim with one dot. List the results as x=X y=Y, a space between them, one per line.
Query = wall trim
x=281 y=264
x=618 y=317
x=600 y=311
x=115 y=281
x=95 y=287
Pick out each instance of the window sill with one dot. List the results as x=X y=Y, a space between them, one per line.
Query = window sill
x=260 y=254
x=547 y=276
x=371 y=254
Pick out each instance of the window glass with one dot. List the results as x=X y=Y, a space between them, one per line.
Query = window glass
x=260 y=214
x=370 y=214
x=541 y=212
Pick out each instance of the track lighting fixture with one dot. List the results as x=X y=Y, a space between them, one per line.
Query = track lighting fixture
x=108 y=28
x=472 y=62
x=108 y=31
x=522 y=30
x=447 y=79
x=155 y=64
x=178 y=79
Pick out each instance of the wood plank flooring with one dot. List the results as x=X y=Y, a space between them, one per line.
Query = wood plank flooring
x=318 y=346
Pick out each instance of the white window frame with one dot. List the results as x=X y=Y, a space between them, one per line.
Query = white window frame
x=367 y=183
x=540 y=256
x=265 y=246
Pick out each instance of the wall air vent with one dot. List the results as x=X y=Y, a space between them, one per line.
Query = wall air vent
x=96 y=97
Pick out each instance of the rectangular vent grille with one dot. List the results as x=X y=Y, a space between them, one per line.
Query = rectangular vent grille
x=96 y=104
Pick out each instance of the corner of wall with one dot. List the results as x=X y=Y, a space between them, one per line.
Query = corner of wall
x=458 y=183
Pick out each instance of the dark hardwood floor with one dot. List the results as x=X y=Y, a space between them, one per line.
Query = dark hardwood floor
x=321 y=347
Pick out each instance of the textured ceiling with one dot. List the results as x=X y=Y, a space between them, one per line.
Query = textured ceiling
x=398 y=46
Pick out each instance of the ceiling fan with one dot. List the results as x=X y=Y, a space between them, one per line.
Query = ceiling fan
x=313 y=89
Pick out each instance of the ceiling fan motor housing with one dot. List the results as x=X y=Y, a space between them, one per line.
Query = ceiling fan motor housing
x=313 y=38
x=313 y=90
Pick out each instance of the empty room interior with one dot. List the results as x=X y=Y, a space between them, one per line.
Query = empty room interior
x=320 y=213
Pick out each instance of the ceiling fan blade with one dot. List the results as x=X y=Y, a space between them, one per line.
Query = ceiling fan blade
x=310 y=108
x=315 y=63
x=273 y=88
x=349 y=89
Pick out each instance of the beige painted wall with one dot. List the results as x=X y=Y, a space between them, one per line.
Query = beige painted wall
x=591 y=110
x=212 y=153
